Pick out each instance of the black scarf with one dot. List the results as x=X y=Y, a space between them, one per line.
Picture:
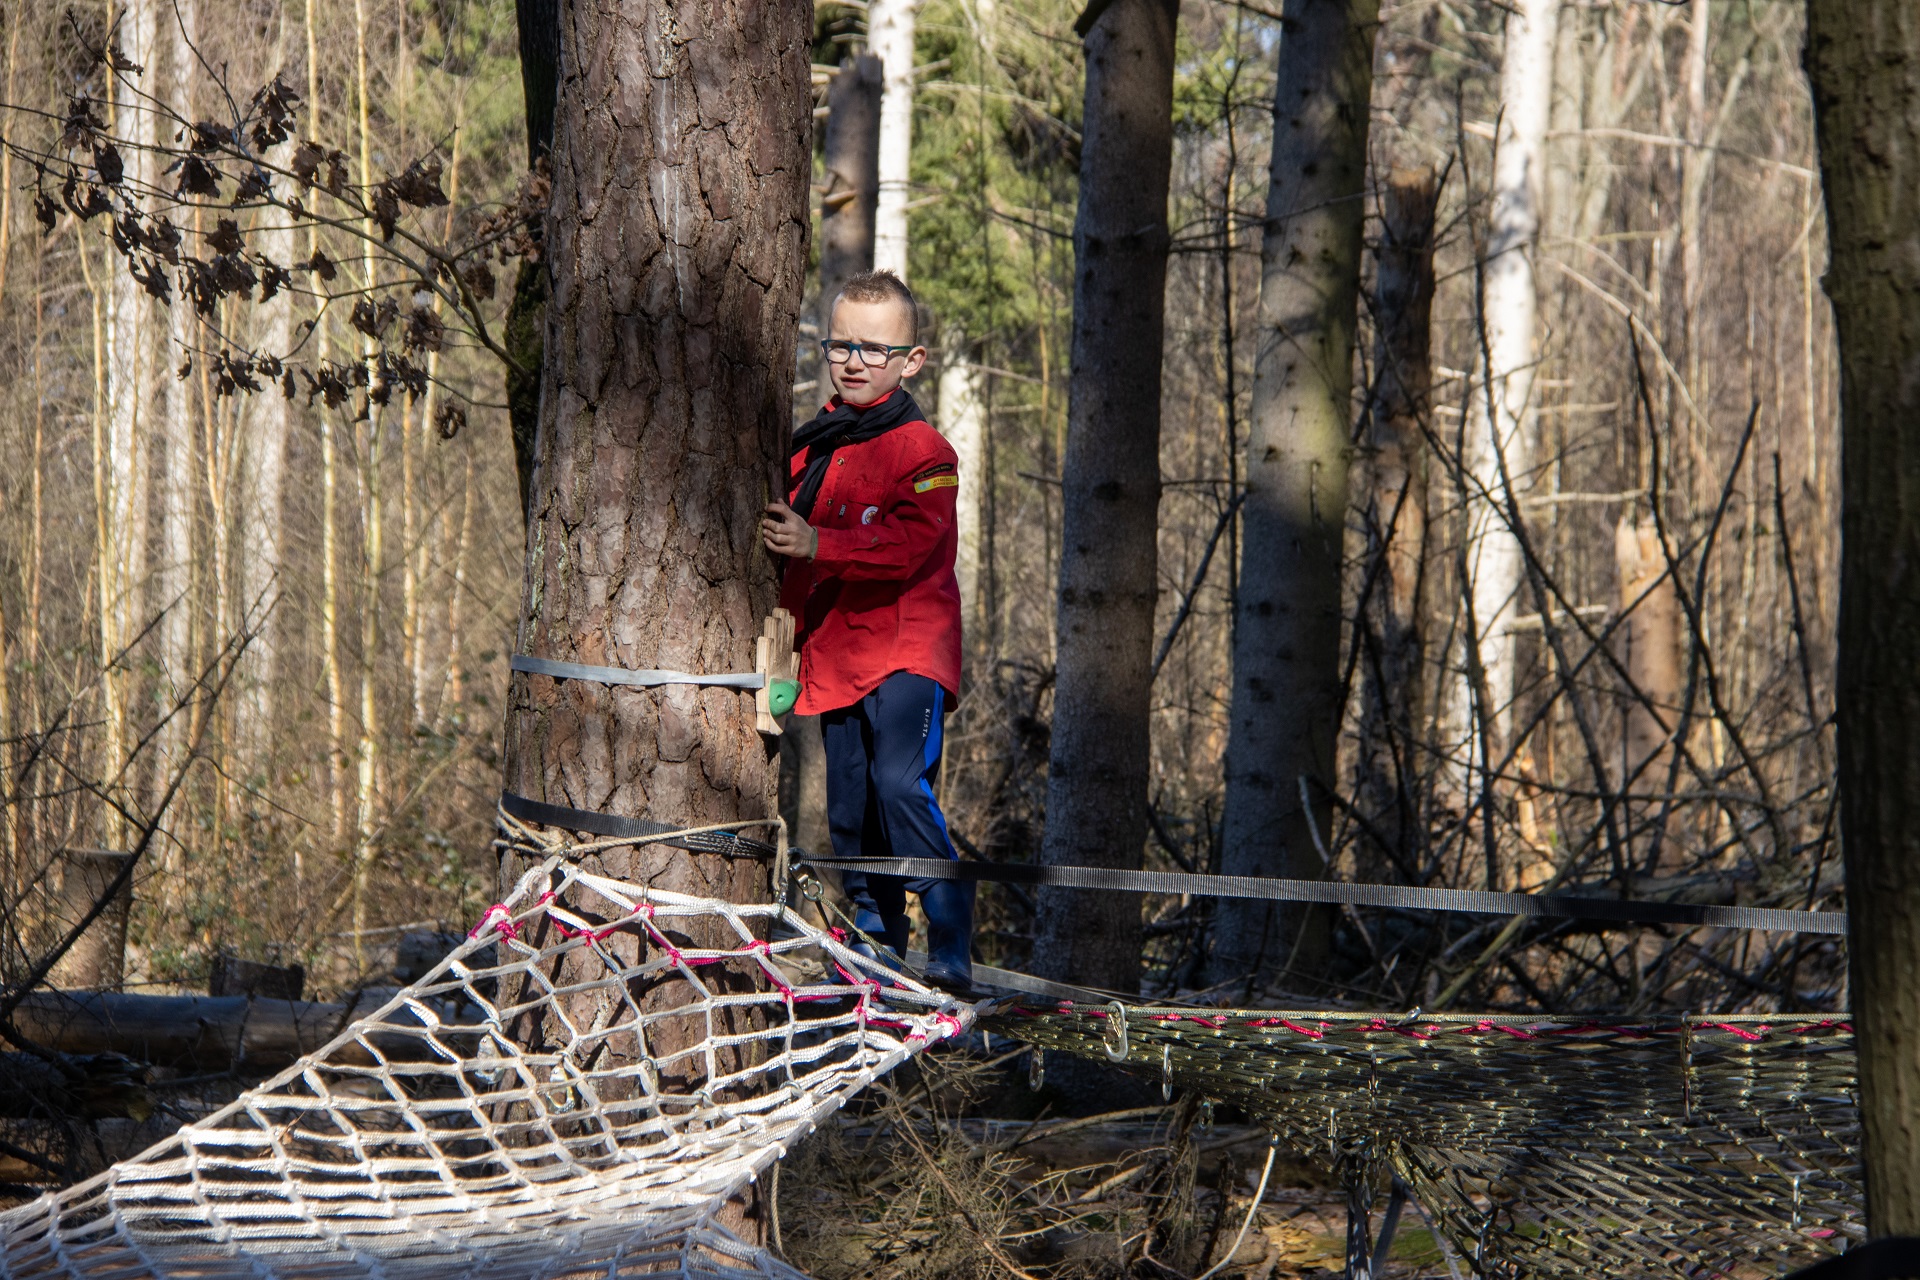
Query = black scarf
x=843 y=424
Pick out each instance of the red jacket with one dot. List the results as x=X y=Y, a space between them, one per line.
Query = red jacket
x=880 y=595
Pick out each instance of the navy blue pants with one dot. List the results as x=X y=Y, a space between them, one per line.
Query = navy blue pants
x=883 y=759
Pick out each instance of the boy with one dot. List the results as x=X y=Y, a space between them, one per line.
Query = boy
x=870 y=542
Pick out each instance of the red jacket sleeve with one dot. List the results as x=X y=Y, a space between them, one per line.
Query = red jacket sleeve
x=917 y=514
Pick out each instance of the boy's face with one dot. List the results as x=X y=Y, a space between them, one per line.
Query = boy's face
x=883 y=323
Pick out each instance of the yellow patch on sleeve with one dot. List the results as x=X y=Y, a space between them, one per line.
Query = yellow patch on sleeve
x=936 y=482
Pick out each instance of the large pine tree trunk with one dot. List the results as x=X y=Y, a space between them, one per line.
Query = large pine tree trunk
x=1109 y=577
x=675 y=246
x=1863 y=57
x=1286 y=706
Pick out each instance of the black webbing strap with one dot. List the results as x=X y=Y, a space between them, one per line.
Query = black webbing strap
x=640 y=679
x=1556 y=906
x=728 y=843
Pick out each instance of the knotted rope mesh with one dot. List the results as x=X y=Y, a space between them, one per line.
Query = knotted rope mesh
x=580 y=1088
x=1651 y=1146
x=588 y=1082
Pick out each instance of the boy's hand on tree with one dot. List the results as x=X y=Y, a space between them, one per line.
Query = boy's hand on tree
x=786 y=534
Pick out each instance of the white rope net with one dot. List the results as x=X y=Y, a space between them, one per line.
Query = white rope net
x=580 y=1088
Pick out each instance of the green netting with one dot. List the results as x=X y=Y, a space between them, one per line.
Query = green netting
x=1724 y=1146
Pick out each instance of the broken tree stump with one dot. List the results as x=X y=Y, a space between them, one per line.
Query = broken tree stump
x=97 y=960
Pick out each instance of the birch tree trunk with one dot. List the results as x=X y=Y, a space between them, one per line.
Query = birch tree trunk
x=172 y=581
x=1863 y=58
x=1495 y=447
x=1110 y=498
x=127 y=385
x=676 y=244
x=963 y=421
x=890 y=27
x=263 y=488
x=367 y=762
x=1286 y=705
x=329 y=502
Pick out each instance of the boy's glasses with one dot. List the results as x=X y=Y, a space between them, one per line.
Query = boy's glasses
x=872 y=354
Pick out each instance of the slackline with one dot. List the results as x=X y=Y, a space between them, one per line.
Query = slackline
x=639 y=679
x=1408 y=897
x=606 y=824
x=1473 y=901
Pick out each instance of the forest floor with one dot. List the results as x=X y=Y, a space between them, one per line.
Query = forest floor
x=955 y=1167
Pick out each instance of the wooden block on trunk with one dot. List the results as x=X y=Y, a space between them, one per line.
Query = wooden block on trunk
x=773 y=658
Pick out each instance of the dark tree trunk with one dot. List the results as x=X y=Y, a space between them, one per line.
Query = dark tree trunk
x=539 y=70
x=846 y=249
x=853 y=178
x=1863 y=57
x=526 y=318
x=847 y=207
x=1286 y=703
x=1109 y=577
x=676 y=244
x=1396 y=512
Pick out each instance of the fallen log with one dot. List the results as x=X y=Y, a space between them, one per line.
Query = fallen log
x=202 y=1033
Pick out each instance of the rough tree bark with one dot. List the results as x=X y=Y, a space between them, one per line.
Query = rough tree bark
x=675 y=246
x=890 y=31
x=1863 y=58
x=1285 y=709
x=1110 y=486
x=1396 y=501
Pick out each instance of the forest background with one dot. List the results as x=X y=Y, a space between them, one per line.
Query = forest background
x=1659 y=719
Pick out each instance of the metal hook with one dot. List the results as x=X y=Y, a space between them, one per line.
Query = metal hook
x=1115 y=1032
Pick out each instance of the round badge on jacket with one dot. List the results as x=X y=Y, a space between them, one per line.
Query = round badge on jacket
x=869 y=515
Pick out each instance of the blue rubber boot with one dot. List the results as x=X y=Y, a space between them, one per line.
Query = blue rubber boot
x=949 y=908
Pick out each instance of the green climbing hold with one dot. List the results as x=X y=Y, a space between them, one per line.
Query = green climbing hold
x=781 y=695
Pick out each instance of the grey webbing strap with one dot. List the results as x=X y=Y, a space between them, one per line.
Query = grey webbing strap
x=728 y=843
x=639 y=679
x=1556 y=906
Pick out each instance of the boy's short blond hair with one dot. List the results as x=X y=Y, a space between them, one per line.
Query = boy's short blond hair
x=884 y=286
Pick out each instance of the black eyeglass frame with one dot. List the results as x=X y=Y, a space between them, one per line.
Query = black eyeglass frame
x=829 y=345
